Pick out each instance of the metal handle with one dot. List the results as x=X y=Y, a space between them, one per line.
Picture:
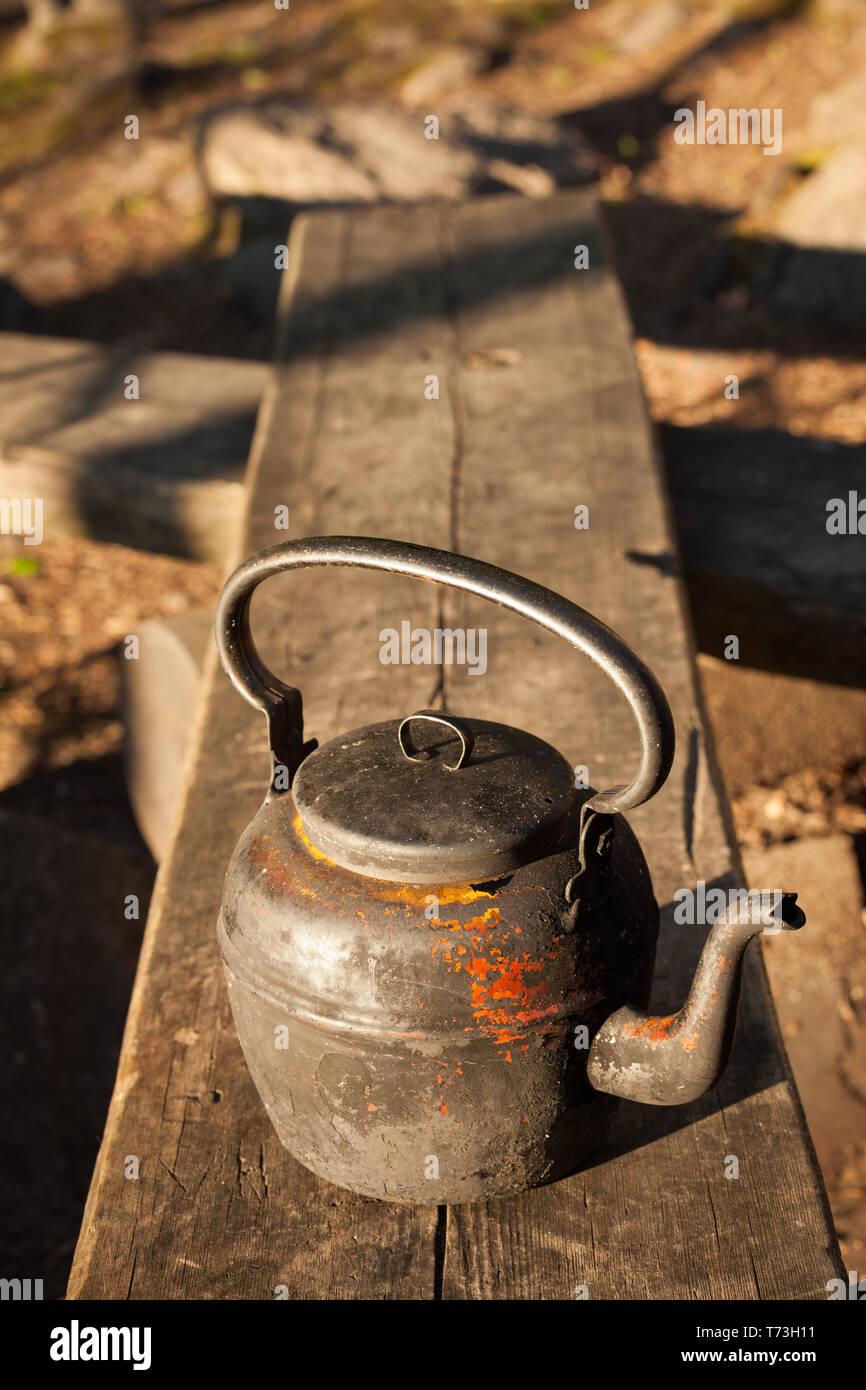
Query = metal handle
x=436 y=716
x=282 y=703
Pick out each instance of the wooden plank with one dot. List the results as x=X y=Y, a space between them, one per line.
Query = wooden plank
x=495 y=467
x=220 y=1210
x=566 y=425
x=161 y=692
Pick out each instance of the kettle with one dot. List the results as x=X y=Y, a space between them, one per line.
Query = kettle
x=438 y=948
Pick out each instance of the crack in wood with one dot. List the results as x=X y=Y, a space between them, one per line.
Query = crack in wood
x=440 y=1251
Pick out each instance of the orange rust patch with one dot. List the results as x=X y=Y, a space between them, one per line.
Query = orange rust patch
x=507 y=985
x=491 y=918
x=511 y=985
x=653 y=1029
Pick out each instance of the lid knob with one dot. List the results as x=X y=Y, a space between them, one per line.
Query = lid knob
x=435 y=716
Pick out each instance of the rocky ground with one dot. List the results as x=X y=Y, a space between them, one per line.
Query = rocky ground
x=748 y=264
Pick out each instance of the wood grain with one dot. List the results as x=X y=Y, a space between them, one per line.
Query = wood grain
x=373 y=304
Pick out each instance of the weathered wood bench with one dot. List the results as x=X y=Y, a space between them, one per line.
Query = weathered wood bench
x=539 y=412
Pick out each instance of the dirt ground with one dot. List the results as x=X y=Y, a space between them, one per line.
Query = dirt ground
x=92 y=248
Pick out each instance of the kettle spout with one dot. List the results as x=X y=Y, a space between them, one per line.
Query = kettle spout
x=675 y=1059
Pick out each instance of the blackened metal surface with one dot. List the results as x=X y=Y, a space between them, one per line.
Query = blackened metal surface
x=420 y=952
x=428 y=1043
x=368 y=807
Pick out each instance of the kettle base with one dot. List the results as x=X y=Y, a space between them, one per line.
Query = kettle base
x=475 y=1187
x=519 y=1134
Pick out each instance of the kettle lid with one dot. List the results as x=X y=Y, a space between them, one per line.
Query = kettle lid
x=434 y=799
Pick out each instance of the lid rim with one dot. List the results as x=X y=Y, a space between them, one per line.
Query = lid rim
x=367 y=807
x=453 y=868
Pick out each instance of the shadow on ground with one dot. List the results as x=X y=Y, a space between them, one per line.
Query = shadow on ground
x=72 y=857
